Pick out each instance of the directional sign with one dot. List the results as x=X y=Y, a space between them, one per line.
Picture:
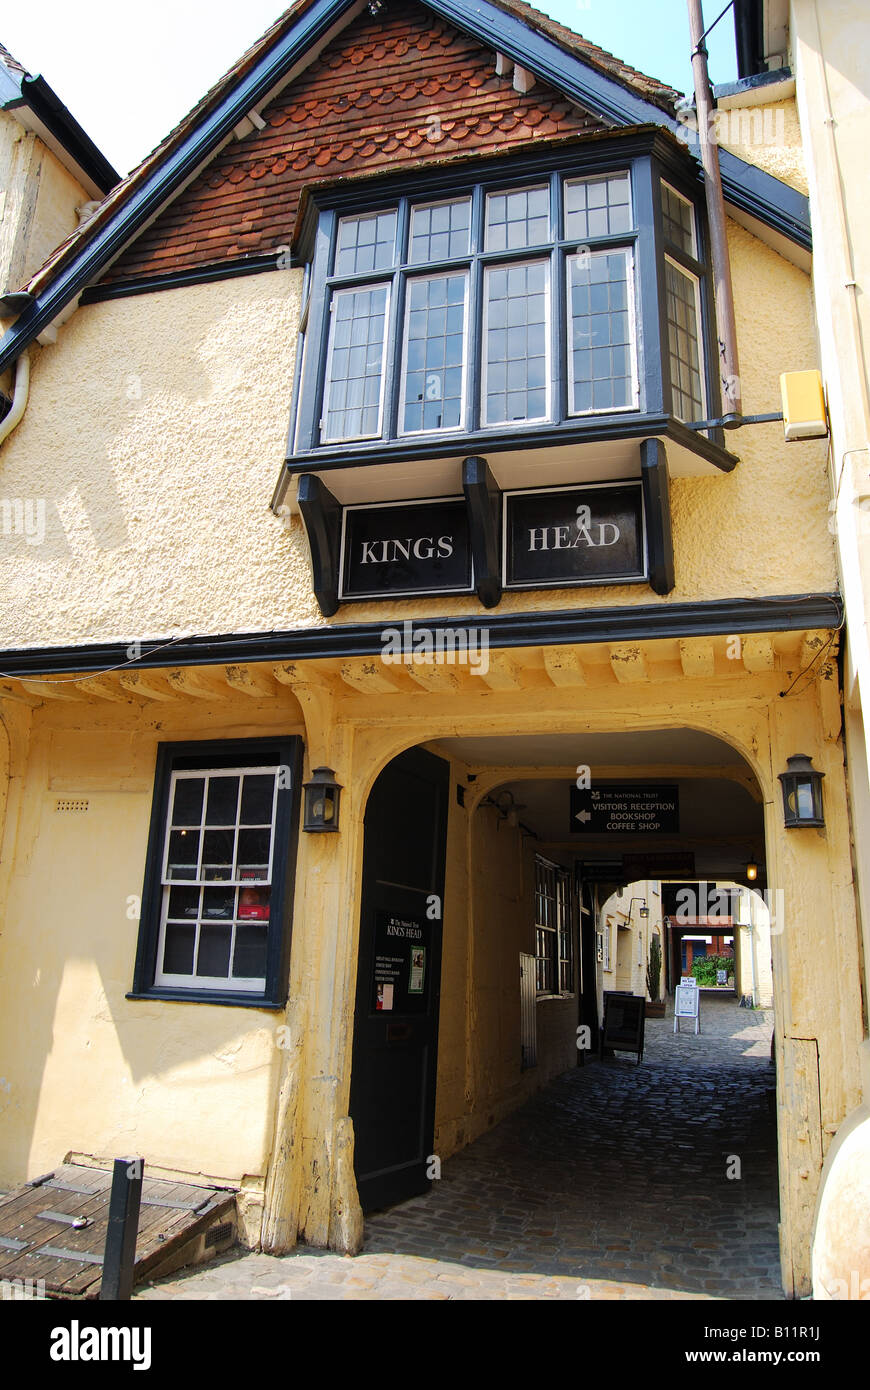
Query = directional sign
x=625 y=809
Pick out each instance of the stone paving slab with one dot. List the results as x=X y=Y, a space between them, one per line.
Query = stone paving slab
x=612 y=1183
x=323 y=1275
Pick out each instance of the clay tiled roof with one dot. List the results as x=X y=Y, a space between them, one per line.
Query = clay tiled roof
x=365 y=103
x=647 y=87
x=380 y=97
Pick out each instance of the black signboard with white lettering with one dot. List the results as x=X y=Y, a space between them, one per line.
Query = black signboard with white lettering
x=558 y=537
x=406 y=548
x=626 y=809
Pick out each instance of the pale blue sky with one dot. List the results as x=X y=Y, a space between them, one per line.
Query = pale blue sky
x=129 y=73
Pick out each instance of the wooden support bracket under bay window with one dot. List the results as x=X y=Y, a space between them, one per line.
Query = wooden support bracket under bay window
x=657 y=505
x=321 y=515
x=483 y=499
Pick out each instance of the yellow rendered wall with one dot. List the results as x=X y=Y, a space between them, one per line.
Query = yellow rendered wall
x=190 y=1087
x=630 y=936
x=488 y=921
x=156 y=430
x=87 y=1069
x=830 y=41
x=768 y=135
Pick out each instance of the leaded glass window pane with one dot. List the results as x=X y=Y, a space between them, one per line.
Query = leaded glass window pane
x=434 y=353
x=517 y=219
x=366 y=243
x=684 y=343
x=597 y=207
x=355 y=363
x=517 y=334
x=439 y=231
x=600 y=329
x=678 y=217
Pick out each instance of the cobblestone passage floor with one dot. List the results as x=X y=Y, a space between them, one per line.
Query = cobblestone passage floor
x=611 y=1183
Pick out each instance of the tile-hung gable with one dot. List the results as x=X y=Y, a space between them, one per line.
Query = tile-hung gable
x=595 y=80
x=391 y=92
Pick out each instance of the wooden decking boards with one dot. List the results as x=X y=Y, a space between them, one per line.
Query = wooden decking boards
x=35 y=1244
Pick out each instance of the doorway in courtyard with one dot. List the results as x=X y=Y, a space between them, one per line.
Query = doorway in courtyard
x=511 y=888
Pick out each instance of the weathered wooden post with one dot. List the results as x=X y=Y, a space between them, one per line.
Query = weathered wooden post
x=119 y=1257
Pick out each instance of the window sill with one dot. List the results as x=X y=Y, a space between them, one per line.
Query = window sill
x=544 y=998
x=207 y=996
x=576 y=431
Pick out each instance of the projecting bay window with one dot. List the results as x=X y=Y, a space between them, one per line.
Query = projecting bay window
x=538 y=304
x=215 y=906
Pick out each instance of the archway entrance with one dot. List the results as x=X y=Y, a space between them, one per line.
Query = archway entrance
x=528 y=953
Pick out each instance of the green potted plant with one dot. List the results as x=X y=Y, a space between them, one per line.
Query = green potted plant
x=655 y=1007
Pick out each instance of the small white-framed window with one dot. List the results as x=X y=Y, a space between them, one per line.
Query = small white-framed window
x=517 y=218
x=216 y=879
x=516 y=343
x=434 y=361
x=607 y=933
x=602 y=345
x=354 y=395
x=685 y=347
x=678 y=220
x=598 y=206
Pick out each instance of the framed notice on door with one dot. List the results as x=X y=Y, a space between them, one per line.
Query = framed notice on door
x=400 y=975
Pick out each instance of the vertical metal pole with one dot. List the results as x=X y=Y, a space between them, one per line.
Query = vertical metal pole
x=120 y=1253
x=725 y=321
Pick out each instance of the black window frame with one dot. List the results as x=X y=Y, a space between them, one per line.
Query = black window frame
x=649 y=158
x=283 y=751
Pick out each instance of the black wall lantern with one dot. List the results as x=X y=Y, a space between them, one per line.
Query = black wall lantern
x=322 y=795
x=802 y=792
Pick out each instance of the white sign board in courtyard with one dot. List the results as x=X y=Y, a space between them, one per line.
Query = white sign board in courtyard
x=687 y=1003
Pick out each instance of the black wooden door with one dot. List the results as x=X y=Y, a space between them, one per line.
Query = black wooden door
x=392 y=1093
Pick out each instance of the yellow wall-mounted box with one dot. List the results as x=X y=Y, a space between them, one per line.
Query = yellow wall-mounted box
x=803 y=405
